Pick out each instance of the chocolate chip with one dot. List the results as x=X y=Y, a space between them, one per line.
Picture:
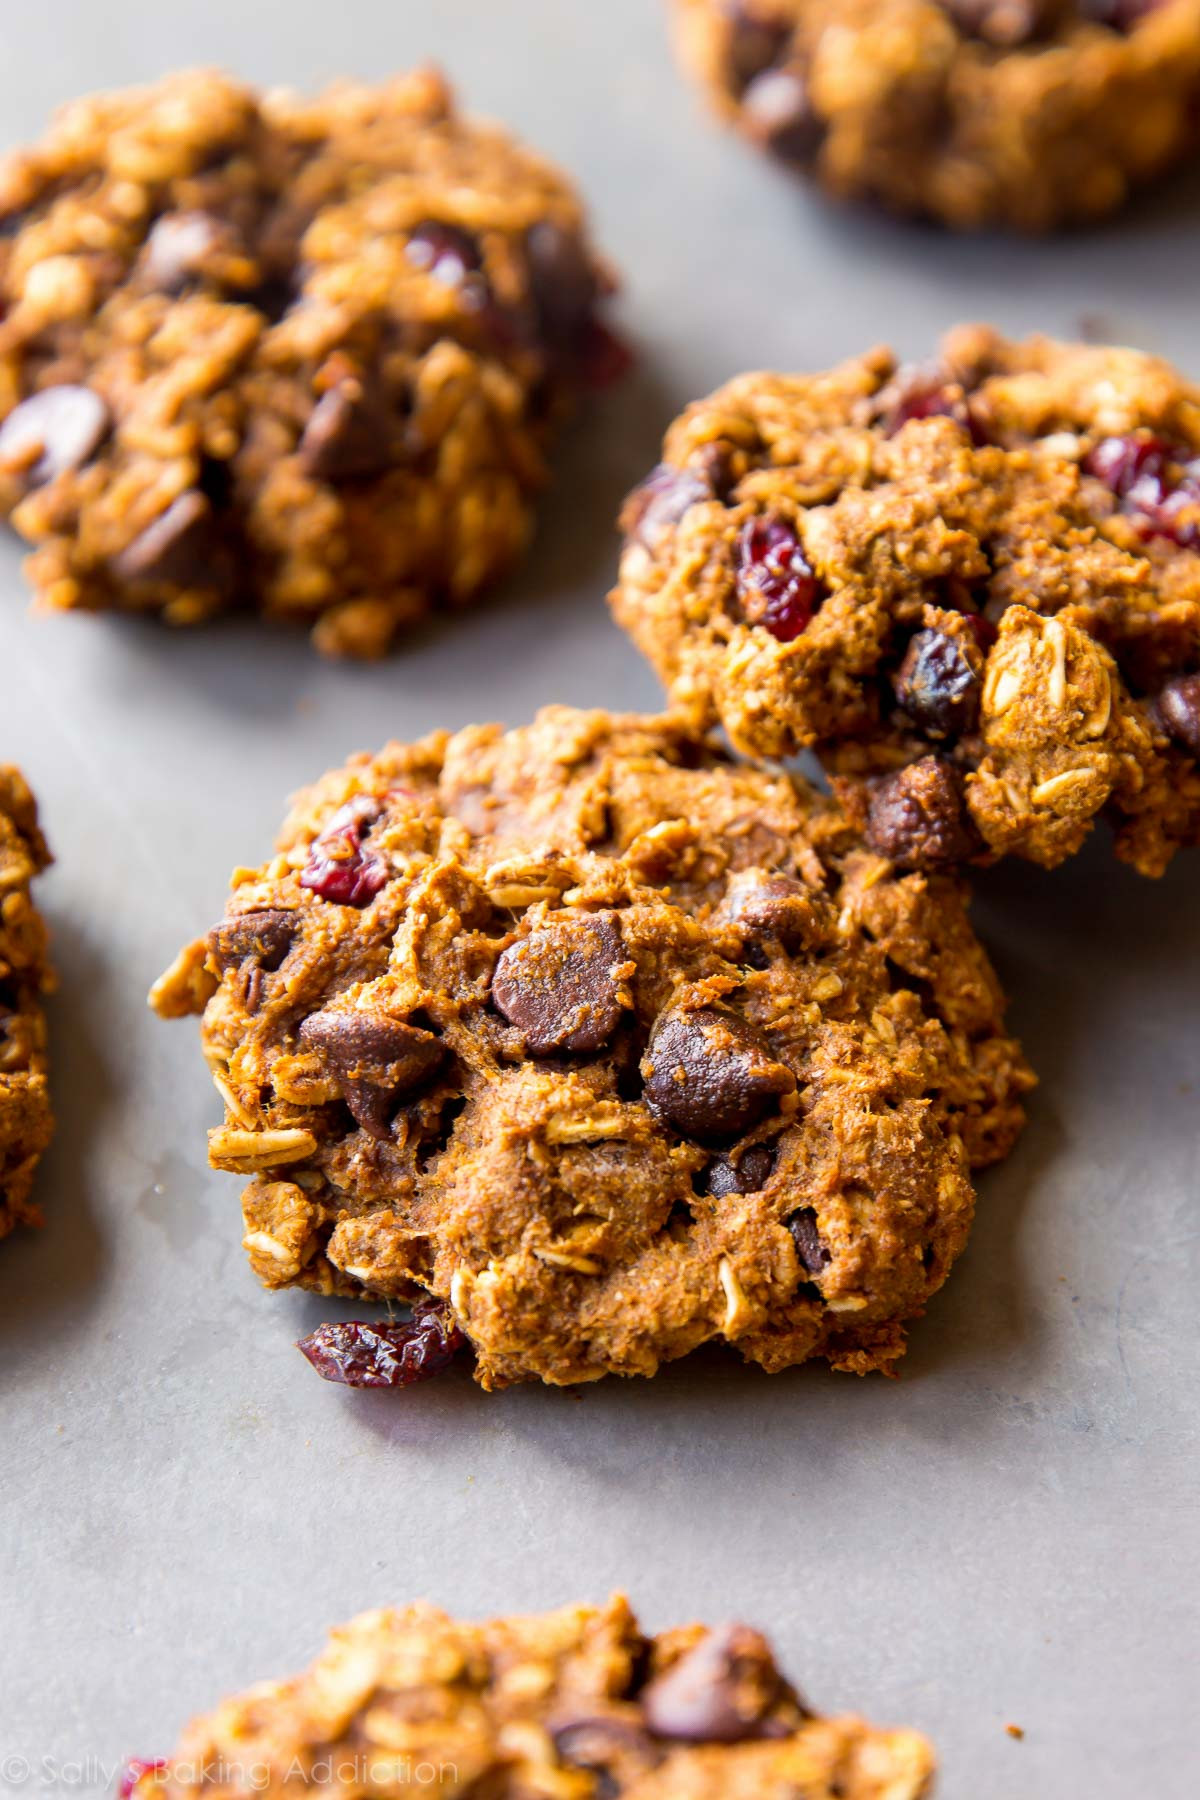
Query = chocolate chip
x=557 y=985
x=936 y=685
x=447 y=252
x=56 y=430
x=918 y=818
x=660 y=502
x=377 y=1059
x=179 y=246
x=772 y=909
x=812 y=1253
x=612 y=1748
x=710 y=1074
x=748 y=1175
x=182 y=548
x=562 y=280
x=350 y=433
x=779 y=112
x=721 y=1691
x=1179 y=709
x=266 y=937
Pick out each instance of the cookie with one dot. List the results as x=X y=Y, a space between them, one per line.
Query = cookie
x=25 y=1119
x=609 y=1045
x=973 y=587
x=579 y=1704
x=1028 y=114
x=304 y=355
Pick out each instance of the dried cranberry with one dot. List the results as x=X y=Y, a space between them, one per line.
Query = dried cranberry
x=338 y=869
x=1119 y=15
x=134 y=1771
x=361 y=1355
x=660 y=503
x=451 y=256
x=604 y=358
x=1156 y=481
x=776 y=586
x=1126 y=464
x=928 y=394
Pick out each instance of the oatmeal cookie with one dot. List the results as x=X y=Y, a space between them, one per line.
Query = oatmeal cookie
x=25 y=1119
x=578 y=1704
x=608 y=1044
x=972 y=587
x=1029 y=114
x=306 y=355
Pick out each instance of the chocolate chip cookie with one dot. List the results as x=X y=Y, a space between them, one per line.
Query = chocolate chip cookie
x=1022 y=113
x=303 y=355
x=25 y=1119
x=972 y=586
x=579 y=1704
x=606 y=1044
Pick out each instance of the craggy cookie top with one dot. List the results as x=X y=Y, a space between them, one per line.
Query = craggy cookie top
x=1027 y=113
x=299 y=354
x=611 y=1045
x=25 y=1120
x=983 y=573
x=576 y=1704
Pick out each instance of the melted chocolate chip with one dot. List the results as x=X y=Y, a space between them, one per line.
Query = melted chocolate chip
x=719 y=1692
x=378 y=1060
x=607 y=1746
x=557 y=985
x=563 y=282
x=265 y=937
x=811 y=1251
x=748 y=1175
x=350 y=433
x=1178 y=707
x=182 y=548
x=56 y=430
x=936 y=685
x=918 y=817
x=711 y=1075
x=772 y=909
x=660 y=502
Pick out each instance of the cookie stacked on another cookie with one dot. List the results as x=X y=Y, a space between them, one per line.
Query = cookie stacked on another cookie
x=300 y=355
x=1023 y=113
x=610 y=1045
x=26 y=1123
x=972 y=587
x=579 y=1704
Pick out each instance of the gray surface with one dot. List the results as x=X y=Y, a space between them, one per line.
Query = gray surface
x=1007 y=1534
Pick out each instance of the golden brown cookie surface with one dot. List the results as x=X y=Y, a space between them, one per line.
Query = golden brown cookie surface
x=304 y=355
x=979 y=579
x=577 y=1704
x=1024 y=113
x=608 y=1044
x=25 y=1119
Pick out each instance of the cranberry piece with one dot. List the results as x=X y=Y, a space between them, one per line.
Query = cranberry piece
x=927 y=394
x=1118 y=15
x=135 y=1771
x=452 y=257
x=776 y=586
x=1157 y=481
x=338 y=869
x=604 y=358
x=660 y=503
x=361 y=1355
x=936 y=685
x=1129 y=464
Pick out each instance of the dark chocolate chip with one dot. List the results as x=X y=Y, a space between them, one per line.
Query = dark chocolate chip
x=719 y=1692
x=179 y=246
x=182 y=548
x=447 y=252
x=748 y=1175
x=661 y=501
x=711 y=1075
x=378 y=1060
x=609 y=1747
x=812 y=1253
x=772 y=909
x=918 y=817
x=557 y=985
x=349 y=434
x=563 y=281
x=1179 y=709
x=779 y=112
x=56 y=430
x=266 y=937
x=936 y=685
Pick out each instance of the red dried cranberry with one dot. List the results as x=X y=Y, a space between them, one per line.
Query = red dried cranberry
x=452 y=257
x=1156 y=481
x=660 y=502
x=604 y=358
x=134 y=1771
x=338 y=869
x=1118 y=15
x=776 y=586
x=361 y=1355
x=928 y=394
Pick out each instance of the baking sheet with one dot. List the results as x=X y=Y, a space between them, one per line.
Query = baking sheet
x=1008 y=1534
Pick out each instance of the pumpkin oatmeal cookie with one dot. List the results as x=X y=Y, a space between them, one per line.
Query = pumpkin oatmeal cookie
x=1029 y=114
x=25 y=1119
x=578 y=1704
x=597 y=1047
x=305 y=355
x=972 y=587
